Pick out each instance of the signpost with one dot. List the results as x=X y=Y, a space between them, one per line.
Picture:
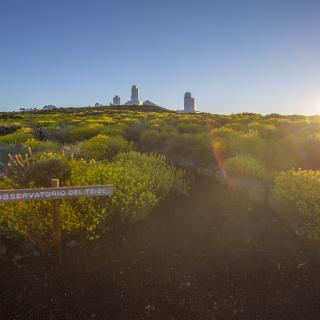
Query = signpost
x=55 y=193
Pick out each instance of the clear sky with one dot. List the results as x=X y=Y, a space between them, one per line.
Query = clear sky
x=233 y=55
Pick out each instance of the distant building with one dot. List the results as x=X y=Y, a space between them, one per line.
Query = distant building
x=189 y=103
x=49 y=107
x=28 y=109
x=116 y=101
x=134 y=93
x=134 y=101
x=97 y=105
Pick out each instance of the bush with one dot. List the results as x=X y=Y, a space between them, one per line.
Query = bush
x=134 y=132
x=40 y=172
x=194 y=147
x=141 y=181
x=71 y=133
x=191 y=128
x=7 y=129
x=102 y=147
x=228 y=142
x=245 y=165
x=153 y=139
x=17 y=138
x=40 y=146
x=37 y=171
x=298 y=195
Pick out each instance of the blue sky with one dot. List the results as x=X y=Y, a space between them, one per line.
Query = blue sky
x=233 y=55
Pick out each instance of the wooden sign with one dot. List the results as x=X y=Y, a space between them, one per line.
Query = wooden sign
x=33 y=194
x=55 y=193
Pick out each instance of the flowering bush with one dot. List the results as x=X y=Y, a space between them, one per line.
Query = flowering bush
x=298 y=196
x=140 y=182
x=228 y=142
x=40 y=146
x=18 y=137
x=102 y=147
x=245 y=165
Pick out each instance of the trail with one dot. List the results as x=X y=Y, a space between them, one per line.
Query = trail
x=208 y=256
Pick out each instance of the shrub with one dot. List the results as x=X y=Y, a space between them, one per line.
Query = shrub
x=40 y=146
x=37 y=171
x=40 y=172
x=191 y=128
x=141 y=181
x=298 y=195
x=245 y=165
x=267 y=131
x=228 y=142
x=18 y=166
x=102 y=147
x=153 y=139
x=7 y=129
x=71 y=133
x=17 y=138
x=195 y=147
x=134 y=132
x=310 y=149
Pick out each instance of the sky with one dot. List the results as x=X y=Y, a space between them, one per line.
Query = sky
x=259 y=56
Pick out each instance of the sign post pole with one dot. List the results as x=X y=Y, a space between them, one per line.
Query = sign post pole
x=55 y=183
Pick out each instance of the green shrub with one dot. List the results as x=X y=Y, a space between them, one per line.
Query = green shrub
x=245 y=165
x=141 y=181
x=191 y=128
x=134 y=132
x=298 y=195
x=71 y=133
x=40 y=172
x=40 y=146
x=37 y=170
x=102 y=147
x=17 y=138
x=266 y=131
x=153 y=139
x=195 y=147
x=309 y=148
x=7 y=129
x=228 y=142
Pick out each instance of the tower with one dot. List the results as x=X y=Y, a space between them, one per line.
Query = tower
x=189 y=103
x=116 y=100
x=134 y=93
x=134 y=101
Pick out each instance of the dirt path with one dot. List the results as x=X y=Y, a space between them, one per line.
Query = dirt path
x=205 y=257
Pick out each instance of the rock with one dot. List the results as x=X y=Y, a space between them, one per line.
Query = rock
x=36 y=253
x=149 y=308
x=72 y=244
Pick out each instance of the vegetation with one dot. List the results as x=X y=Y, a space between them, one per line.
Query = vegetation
x=298 y=193
x=146 y=155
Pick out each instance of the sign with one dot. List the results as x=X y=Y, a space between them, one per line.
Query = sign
x=54 y=193
x=33 y=194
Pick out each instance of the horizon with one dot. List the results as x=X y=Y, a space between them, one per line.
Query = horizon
x=254 y=56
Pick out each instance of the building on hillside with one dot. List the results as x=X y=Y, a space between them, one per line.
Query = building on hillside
x=189 y=103
x=49 y=107
x=28 y=109
x=134 y=101
x=116 y=101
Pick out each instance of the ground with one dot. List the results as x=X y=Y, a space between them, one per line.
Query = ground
x=208 y=256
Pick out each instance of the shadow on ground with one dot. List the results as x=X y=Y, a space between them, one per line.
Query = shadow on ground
x=209 y=256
